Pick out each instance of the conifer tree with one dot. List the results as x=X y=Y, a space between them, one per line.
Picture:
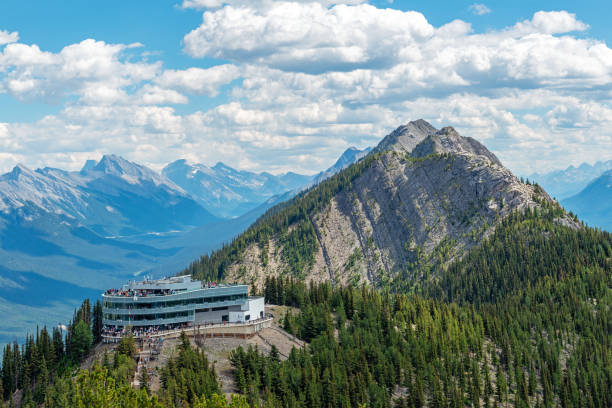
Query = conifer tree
x=144 y=380
x=97 y=322
x=502 y=387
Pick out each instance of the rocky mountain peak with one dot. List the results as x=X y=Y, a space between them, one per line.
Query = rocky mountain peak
x=390 y=212
x=406 y=137
x=181 y=166
x=113 y=164
x=118 y=167
x=88 y=166
x=178 y=163
x=20 y=171
x=448 y=140
x=349 y=157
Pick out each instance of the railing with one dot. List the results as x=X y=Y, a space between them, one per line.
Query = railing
x=155 y=322
x=192 y=329
x=203 y=292
x=170 y=309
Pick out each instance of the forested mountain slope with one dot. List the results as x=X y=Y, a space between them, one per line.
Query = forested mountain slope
x=516 y=311
x=421 y=199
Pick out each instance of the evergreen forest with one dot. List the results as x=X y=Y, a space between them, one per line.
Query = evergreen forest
x=522 y=320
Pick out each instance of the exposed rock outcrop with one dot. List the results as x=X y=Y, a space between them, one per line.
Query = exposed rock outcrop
x=427 y=197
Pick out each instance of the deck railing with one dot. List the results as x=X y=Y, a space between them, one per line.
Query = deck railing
x=193 y=328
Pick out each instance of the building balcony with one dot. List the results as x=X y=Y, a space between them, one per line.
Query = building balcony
x=172 y=309
x=155 y=322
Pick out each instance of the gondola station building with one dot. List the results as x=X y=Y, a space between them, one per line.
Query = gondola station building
x=178 y=302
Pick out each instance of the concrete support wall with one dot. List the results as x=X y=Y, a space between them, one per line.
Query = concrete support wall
x=239 y=330
x=244 y=330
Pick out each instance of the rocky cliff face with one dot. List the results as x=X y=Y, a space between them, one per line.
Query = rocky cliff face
x=426 y=198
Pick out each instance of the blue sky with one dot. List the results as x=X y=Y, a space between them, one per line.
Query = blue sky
x=293 y=84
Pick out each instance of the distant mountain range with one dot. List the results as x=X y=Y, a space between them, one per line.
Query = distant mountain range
x=563 y=184
x=230 y=193
x=586 y=190
x=350 y=156
x=594 y=203
x=227 y=192
x=74 y=233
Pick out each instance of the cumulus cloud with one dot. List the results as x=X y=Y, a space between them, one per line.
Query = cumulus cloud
x=302 y=81
x=308 y=37
x=93 y=70
x=213 y=4
x=479 y=9
x=198 y=80
x=551 y=22
x=8 y=37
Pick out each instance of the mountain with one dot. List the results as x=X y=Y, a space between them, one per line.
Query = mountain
x=563 y=184
x=594 y=203
x=406 y=137
x=492 y=296
x=421 y=199
x=227 y=192
x=350 y=156
x=108 y=197
x=230 y=193
x=492 y=293
x=76 y=232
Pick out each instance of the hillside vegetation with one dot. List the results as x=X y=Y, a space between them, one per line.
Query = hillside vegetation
x=425 y=275
x=389 y=220
x=539 y=337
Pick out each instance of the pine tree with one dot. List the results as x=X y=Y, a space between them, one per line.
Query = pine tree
x=97 y=322
x=81 y=340
x=42 y=382
x=502 y=387
x=144 y=380
x=475 y=387
x=58 y=345
x=488 y=387
x=274 y=355
x=105 y=361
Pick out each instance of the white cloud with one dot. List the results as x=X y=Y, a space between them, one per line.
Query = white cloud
x=8 y=37
x=316 y=78
x=201 y=4
x=479 y=9
x=198 y=80
x=556 y=22
x=94 y=71
x=308 y=37
x=213 y=4
x=551 y=22
x=155 y=95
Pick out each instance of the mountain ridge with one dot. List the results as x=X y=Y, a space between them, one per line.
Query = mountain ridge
x=567 y=182
x=594 y=202
x=229 y=193
x=421 y=198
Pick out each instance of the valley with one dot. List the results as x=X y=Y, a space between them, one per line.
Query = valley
x=76 y=233
x=424 y=274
